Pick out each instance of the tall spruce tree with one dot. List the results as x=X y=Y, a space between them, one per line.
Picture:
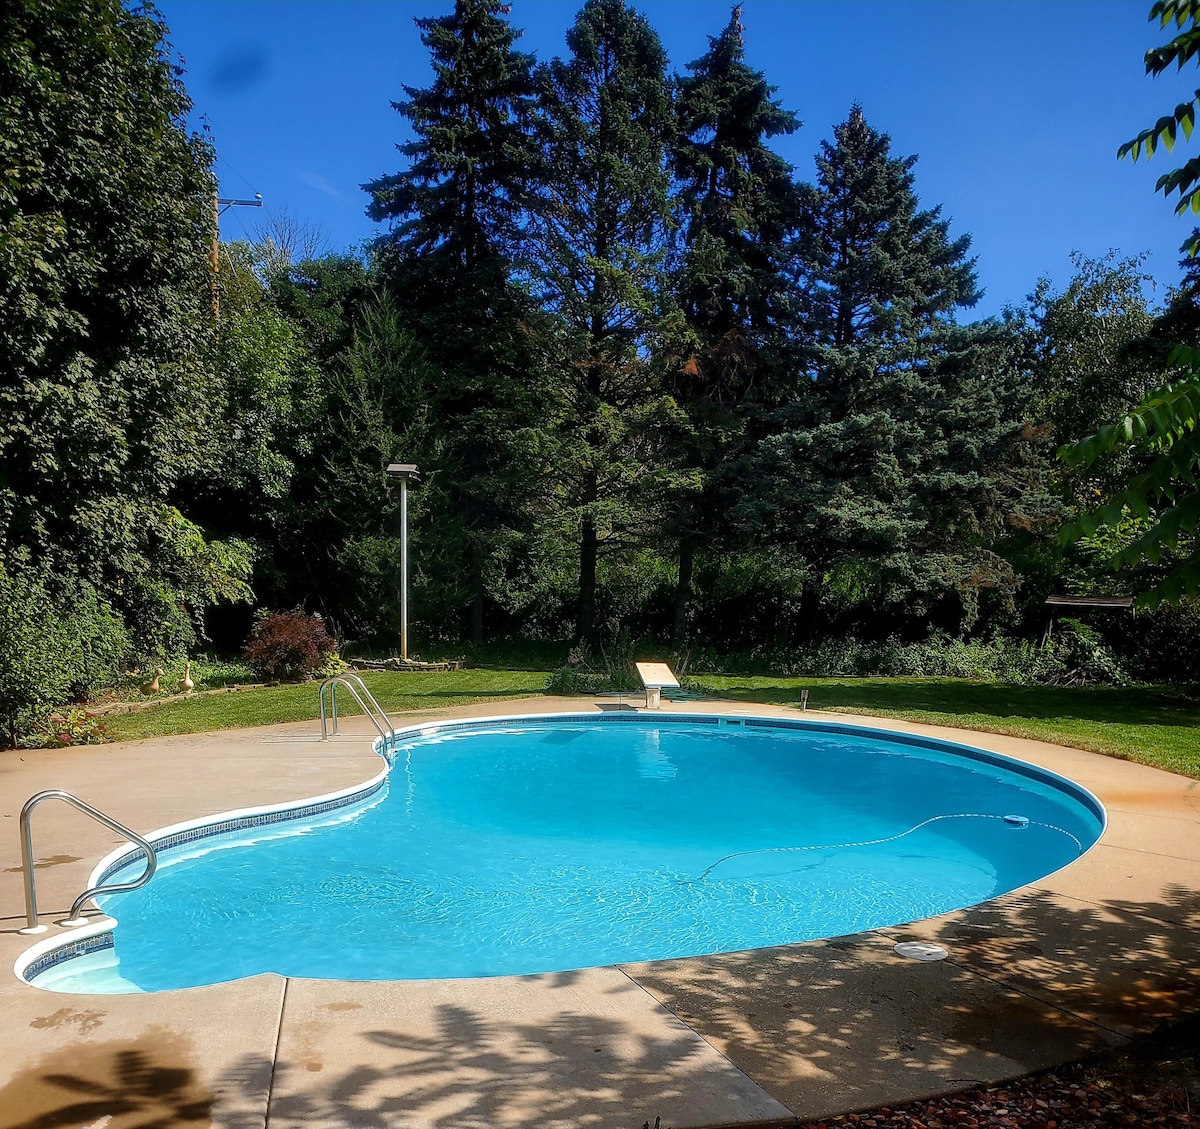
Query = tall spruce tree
x=903 y=452
x=598 y=251
x=456 y=215
x=739 y=208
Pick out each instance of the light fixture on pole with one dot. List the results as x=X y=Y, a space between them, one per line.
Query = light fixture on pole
x=405 y=472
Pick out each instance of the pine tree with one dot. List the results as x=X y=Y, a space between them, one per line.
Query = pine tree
x=598 y=246
x=903 y=452
x=456 y=215
x=461 y=197
x=739 y=208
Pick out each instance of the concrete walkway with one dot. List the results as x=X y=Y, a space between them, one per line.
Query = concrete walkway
x=1084 y=959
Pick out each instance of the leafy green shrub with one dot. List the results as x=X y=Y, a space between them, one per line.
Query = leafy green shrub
x=29 y=679
x=55 y=646
x=584 y=673
x=94 y=641
x=569 y=680
x=333 y=664
x=210 y=673
x=1076 y=654
x=289 y=646
x=164 y=606
x=1084 y=657
x=1167 y=642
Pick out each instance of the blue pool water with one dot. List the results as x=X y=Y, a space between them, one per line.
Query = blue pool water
x=555 y=845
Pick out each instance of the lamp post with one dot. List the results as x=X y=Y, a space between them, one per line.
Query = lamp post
x=404 y=472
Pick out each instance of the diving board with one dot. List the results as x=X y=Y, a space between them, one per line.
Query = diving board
x=656 y=677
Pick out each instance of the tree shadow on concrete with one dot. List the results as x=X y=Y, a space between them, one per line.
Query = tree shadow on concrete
x=137 y=1084
x=1031 y=981
x=469 y=1070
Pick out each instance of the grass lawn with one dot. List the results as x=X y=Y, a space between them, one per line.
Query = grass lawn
x=1153 y=725
x=395 y=692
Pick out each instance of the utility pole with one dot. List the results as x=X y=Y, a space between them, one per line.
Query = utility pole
x=221 y=204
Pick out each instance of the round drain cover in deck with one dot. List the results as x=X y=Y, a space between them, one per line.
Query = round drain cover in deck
x=921 y=950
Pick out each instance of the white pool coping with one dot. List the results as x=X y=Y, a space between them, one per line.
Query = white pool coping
x=97 y=934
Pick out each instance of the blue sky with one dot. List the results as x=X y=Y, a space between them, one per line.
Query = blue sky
x=1015 y=108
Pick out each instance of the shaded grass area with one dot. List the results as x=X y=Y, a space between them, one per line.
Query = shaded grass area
x=396 y=692
x=1158 y=726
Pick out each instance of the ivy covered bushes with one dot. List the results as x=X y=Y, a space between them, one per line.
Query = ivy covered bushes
x=58 y=643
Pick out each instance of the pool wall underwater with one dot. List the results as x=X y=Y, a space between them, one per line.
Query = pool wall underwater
x=53 y=953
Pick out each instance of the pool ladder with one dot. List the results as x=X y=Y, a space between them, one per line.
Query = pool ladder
x=31 y=911
x=362 y=696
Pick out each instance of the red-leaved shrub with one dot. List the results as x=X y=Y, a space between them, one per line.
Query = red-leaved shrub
x=288 y=646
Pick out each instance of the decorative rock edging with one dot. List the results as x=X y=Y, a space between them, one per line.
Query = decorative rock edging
x=405 y=664
x=114 y=708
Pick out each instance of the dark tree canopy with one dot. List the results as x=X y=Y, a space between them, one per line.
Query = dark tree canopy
x=105 y=225
x=655 y=383
x=598 y=246
x=900 y=456
x=739 y=207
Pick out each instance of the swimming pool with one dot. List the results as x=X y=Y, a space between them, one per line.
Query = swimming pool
x=513 y=846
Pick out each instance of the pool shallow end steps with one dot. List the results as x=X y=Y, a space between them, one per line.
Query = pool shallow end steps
x=97 y=936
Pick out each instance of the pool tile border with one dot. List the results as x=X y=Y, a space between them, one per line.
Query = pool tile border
x=163 y=843
x=78 y=947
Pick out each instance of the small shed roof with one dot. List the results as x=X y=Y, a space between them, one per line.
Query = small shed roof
x=1090 y=601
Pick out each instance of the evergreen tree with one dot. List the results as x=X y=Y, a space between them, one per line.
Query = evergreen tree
x=739 y=208
x=903 y=452
x=456 y=213
x=324 y=301
x=598 y=248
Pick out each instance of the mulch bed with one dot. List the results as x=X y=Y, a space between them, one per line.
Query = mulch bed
x=1153 y=1082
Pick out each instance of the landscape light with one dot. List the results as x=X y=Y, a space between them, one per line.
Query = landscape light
x=405 y=472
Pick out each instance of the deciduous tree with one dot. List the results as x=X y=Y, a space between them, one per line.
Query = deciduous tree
x=1164 y=496
x=105 y=226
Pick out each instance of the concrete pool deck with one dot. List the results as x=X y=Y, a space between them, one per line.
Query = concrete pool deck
x=1087 y=958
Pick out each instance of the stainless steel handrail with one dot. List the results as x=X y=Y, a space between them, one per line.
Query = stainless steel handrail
x=31 y=912
x=370 y=707
x=383 y=724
